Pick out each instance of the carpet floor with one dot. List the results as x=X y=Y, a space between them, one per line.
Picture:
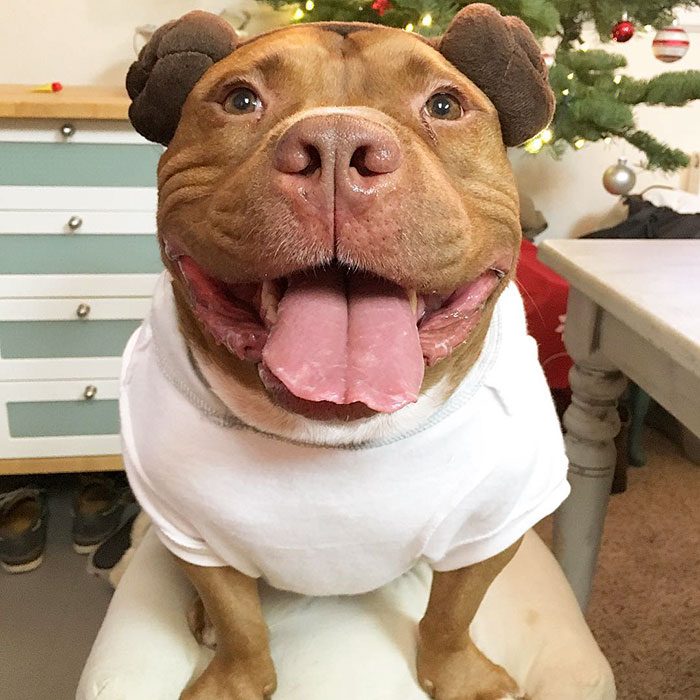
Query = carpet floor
x=645 y=604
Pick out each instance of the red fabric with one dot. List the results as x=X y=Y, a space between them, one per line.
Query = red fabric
x=545 y=294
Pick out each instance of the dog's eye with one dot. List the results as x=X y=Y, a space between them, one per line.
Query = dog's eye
x=442 y=105
x=241 y=101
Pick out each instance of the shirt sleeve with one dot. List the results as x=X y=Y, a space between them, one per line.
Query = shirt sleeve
x=176 y=534
x=521 y=440
x=139 y=394
x=172 y=531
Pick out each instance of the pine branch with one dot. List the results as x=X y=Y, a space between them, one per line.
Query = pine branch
x=671 y=89
x=603 y=112
x=593 y=60
x=659 y=155
x=605 y=14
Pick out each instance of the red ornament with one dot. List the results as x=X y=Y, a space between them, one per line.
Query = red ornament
x=623 y=31
x=56 y=87
x=381 y=6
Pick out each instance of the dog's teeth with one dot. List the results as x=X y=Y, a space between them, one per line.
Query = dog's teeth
x=412 y=299
x=269 y=301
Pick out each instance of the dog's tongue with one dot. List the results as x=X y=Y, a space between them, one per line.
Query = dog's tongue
x=346 y=338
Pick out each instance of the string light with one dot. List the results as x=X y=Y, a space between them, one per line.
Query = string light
x=309 y=5
x=617 y=79
x=648 y=27
x=534 y=145
x=608 y=139
x=409 y=27
x=298 y=14
x=565 y=92
x=427 y=20
x=570 y=76
x=537 y=142
x=579 y=144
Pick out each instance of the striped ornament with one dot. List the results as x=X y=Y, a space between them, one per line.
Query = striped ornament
x=670 y=44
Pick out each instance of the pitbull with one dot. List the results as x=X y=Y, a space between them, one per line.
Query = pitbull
x=335 y=380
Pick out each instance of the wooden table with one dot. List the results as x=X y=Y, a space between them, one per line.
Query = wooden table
x=634 y=311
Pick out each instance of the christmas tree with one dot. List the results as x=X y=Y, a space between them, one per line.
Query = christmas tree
x=595 y=100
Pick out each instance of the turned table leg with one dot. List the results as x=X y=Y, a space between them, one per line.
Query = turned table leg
x=591 y=424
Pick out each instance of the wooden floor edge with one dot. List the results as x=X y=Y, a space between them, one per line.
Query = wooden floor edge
x=58 y=465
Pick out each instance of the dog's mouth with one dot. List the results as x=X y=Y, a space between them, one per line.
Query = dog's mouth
x=335 y=335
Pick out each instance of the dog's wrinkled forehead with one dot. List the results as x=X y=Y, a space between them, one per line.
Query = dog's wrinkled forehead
x=498 y=55
x=316 y=66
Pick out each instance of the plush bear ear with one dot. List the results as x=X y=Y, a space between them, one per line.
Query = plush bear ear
x=169 y=66
x=501 y=57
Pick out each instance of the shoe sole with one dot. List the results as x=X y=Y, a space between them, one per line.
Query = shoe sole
x=94 y=571
x=85 y=548
x=22 y=568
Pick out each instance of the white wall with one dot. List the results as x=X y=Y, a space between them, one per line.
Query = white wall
x=90 y=41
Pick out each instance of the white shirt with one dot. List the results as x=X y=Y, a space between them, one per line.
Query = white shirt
x=319 y=519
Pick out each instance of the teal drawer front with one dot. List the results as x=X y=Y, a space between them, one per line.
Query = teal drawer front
x=40 y=339
x=41 y=419
x=75 y=164
x=79 y=253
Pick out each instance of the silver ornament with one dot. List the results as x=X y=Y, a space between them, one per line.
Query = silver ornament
x=619 y=178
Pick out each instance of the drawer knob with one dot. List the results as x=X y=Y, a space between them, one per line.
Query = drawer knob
x=74 y=223
x=82 y=311
x=90 y=392
x=67 y=130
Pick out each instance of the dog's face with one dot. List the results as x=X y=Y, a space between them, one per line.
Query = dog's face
x=335 y=204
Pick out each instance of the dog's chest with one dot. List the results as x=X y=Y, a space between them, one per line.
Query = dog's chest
x=278 y=495
x=308 y=519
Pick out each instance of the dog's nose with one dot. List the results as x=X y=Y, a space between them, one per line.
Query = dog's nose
x=343 y=156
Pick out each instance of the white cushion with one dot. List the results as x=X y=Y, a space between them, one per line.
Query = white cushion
x=348 y=648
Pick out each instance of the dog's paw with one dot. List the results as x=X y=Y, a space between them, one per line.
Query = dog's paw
x=464 y=674
x=200 y=625
x=251 y=678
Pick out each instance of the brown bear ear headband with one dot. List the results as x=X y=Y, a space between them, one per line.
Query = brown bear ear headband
x=498 y=54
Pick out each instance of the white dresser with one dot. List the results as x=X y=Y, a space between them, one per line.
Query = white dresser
x=78 y=261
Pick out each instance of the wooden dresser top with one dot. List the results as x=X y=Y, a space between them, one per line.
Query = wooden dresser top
x=73 y=102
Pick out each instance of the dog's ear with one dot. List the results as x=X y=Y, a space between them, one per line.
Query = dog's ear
x=501 y=57
x=169 y=65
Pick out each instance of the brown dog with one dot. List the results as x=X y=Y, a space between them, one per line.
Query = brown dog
x=339 y=219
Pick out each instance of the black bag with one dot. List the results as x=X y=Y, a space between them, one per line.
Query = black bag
x=646 y=220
